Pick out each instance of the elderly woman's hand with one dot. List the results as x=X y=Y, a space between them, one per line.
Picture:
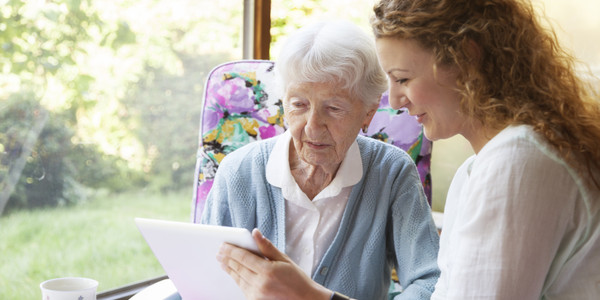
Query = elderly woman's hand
x=274 y=276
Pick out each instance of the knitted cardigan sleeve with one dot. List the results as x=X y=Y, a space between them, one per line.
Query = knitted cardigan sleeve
x=242 y=197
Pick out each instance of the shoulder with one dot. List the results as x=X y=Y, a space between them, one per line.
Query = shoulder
x=520 y=157
x=385 y=162
x=377 y=151
x=519 y=145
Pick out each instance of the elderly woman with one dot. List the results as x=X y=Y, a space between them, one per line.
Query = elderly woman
x=344 y=208
x=522 y=217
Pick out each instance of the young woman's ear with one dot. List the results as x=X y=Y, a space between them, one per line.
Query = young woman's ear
x=473 y=50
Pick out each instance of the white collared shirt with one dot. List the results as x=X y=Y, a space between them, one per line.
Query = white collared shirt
x=311 y=225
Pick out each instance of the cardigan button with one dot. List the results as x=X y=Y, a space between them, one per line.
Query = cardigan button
x=324 y=271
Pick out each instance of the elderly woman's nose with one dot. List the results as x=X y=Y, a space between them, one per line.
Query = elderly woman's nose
x=313 y=117
x=314 y=120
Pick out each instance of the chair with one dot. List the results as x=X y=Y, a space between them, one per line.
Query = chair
x=241 y=105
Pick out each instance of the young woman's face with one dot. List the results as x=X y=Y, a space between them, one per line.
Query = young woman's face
x=324 y=121
x=430 y=98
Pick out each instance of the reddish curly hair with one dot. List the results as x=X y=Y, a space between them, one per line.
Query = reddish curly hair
x=511 y=69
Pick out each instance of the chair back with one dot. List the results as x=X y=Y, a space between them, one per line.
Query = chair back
x=241 y=104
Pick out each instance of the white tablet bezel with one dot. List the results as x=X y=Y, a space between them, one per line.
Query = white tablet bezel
x=187 y=252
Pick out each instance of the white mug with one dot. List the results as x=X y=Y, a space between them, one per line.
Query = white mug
x=69 y=288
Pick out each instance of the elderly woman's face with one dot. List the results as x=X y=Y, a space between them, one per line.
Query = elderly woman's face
x=324 y=121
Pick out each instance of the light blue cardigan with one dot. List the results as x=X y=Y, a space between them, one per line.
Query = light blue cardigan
x=387 y=221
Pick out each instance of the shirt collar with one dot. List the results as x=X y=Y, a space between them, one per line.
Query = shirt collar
x=279 y=174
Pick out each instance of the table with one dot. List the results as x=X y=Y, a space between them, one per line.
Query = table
x=162 y=290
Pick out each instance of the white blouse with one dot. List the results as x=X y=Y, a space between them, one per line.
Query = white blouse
x=310 y=226
x=519 y=223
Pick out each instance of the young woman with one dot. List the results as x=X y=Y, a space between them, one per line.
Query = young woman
x=522 y=217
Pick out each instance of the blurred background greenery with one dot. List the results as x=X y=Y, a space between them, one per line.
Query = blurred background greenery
x=99 y=114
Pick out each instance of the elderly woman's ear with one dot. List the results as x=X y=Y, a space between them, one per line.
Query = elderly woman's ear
x=369 y=118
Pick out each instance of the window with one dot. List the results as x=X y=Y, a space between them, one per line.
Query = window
x=99 y=123
x=99 y=115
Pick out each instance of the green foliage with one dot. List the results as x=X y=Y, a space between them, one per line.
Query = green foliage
x=41 y=180
x=166 y=108
x=99 y=170
x=290 y=16
x=122 y=36
x=41 y=42
x=109 y=126
x=43 y=39
x=56 y=171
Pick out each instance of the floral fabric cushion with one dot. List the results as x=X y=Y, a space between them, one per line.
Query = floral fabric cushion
x=242 y=105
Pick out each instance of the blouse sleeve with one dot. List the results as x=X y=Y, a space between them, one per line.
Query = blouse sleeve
x=509 y=224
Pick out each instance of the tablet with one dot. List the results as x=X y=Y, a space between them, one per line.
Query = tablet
x=187 y=252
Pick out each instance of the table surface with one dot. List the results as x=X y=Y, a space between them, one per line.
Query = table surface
x=162 y=290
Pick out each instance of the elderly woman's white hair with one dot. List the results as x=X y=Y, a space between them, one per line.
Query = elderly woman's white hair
x=333 y=51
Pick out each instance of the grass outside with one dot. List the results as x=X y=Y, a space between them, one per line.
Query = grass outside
x=97 y=239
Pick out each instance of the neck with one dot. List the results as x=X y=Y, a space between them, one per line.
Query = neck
x=310 y=178
x=479 y=135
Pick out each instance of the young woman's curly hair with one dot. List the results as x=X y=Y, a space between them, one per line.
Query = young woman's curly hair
x=511 y=69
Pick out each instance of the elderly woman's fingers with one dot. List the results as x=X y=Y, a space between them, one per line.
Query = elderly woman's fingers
x=274 y=276
x=267 y=249
x=244 y=266
x=232 y=257
x=237 y=259
x=238 y=272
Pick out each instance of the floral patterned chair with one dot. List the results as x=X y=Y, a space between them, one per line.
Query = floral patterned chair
x=241 y=105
